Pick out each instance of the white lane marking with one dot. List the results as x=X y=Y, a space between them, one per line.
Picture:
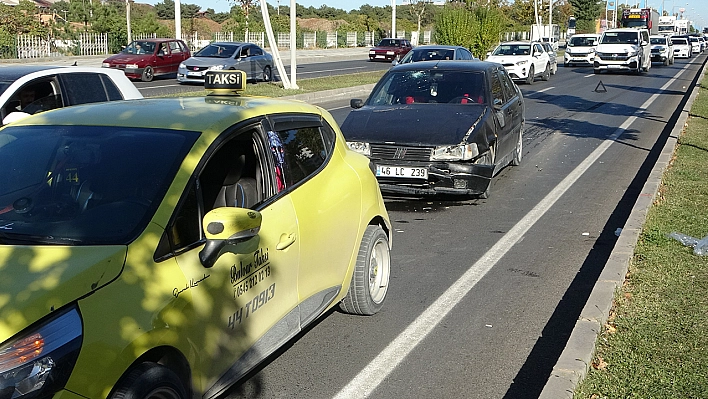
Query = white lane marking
x=375 y=372
x=589 y=76
x=543 y=90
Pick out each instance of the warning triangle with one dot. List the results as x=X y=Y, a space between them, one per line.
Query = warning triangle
x=600 y=88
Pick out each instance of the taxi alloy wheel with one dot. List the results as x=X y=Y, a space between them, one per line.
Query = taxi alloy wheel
x=267 y=74
x=369 y=284
x=148 y=74
x=150 y=381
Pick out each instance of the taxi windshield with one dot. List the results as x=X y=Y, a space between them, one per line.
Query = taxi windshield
x=84 y=185
x=429 y=86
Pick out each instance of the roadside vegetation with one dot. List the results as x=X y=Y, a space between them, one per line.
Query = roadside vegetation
x=305 y=85
x=654 y=344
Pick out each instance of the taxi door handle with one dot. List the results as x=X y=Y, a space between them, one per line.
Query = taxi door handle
x=286 y=240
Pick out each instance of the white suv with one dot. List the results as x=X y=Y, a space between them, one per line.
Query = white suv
x=523 y=60
x=625 y=49
x=580 y=49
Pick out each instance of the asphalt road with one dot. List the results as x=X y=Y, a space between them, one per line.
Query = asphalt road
x=484 y=293
x=168 y=85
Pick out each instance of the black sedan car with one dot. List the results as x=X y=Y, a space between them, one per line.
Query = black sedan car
x=439 y=127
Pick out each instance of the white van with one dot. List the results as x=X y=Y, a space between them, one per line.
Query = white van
x=625 y=49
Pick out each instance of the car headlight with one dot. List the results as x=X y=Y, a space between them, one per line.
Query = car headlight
x=372 y=52
x=632 y=53
x=569 y=50
x=360 y=147
x=38 y=363
x=592 y=50
x=106 y=65
x=216 y=67
x=462 y=152
x=181 y=65
x=132 y=66
x=522 y=62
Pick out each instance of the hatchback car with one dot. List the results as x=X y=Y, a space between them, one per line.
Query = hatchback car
x=662 y=49
x=580 y=49
x=435 y=52
x=160 y=248
x=145 y=59
x=434 y=127
x=29 y=89
x=523 y=60
x=390 y=49
x=247 y=57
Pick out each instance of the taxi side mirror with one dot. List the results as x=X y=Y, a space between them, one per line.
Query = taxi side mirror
x=227 y=226
x=14 y=116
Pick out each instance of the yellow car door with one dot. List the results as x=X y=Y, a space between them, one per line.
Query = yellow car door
x=326 y=193
x=243 y=299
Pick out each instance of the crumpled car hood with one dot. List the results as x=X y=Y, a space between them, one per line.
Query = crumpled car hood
x=434 y=124
x=36 y=280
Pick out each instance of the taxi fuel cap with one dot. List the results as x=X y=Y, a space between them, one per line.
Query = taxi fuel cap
x=225 y=82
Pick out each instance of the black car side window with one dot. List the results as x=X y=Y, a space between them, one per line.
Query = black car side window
x=507 y=84
x=497 y=90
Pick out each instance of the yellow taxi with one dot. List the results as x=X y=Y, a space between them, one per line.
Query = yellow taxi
x=162 y=248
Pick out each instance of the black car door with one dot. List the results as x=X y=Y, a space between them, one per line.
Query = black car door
x=514 y=108
x=503 y=114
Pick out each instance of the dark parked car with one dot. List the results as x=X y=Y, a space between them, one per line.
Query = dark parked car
x=145 y=59
x=435 y=52
x=246 y=57
x=435 y=127
x=390 y=49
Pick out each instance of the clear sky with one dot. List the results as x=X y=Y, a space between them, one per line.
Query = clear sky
x=695 y=10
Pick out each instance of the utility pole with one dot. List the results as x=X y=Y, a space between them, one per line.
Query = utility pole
x=178 y=19
x=393 y=19
x=127 y=18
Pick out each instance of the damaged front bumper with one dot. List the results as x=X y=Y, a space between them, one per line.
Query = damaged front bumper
x=457 y=178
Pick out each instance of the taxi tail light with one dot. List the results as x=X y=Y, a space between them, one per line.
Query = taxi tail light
x=39 y=362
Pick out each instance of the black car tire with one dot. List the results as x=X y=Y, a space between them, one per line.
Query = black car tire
x=531 y=77
x=566 y=64
x=267 y=74
x=148 y=74
x=519 y=149
x=369 y=284
x=150 y=381
x=546 y=73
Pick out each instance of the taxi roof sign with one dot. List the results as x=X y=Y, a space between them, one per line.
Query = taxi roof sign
x=225 y=82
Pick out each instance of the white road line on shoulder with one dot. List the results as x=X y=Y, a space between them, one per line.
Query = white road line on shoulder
x=375 y=372
x=546 y=89
x=589 y=76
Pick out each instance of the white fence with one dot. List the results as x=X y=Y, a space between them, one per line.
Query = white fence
x=38 y=47
x=309 y=39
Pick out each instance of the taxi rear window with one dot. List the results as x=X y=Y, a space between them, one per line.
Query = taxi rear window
x=84 y=185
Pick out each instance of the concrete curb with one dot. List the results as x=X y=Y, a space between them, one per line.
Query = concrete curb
x=574 y=363
x=334 y=94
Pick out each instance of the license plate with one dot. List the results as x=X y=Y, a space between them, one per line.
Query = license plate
x=613 y=66
x=194 y=74
x=380 y=56
x=401 y=171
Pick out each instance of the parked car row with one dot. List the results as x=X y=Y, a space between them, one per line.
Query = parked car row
x=145 y=59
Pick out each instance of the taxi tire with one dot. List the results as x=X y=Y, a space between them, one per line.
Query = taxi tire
x=366 y=292
x=148 y=74
x=150 y=380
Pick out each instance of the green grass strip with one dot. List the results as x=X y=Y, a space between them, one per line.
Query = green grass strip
x=655 y=344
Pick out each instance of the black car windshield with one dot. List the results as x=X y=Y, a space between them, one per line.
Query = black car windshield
x=428 y=54
x=619 y=37
x=581 y=41
x=430 y=86
x=217 y=51
x=512 y=49
x=84 y=185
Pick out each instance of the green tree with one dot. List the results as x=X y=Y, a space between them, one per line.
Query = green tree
x=586 y=12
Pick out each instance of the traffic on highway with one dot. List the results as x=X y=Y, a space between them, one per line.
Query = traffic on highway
x=228 y=245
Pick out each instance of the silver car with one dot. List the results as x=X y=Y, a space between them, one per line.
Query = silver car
x=246 y=57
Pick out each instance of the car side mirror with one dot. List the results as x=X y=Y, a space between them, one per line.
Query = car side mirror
x=595 y=43
x=643 y=43
x=394 y=62
x=489 y=53
x=227 y=226
x=356 y=103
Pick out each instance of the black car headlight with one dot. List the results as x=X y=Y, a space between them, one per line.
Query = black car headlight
x=39 y=361
x=461 y=152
